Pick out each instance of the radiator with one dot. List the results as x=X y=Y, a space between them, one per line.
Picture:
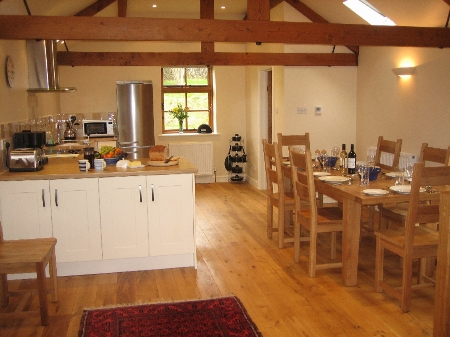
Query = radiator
x=198 y=153
x=387 y=158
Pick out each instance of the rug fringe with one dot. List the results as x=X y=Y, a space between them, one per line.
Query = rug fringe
x=162 y=301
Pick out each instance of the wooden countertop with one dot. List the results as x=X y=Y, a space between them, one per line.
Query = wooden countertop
x=67 y=168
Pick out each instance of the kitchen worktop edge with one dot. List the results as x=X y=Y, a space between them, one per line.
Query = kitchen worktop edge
x=67 y=168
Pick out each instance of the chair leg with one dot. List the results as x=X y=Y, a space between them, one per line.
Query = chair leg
x=379 y=263
x=53 y=277
x=312 y=254
x=269 y=219
x=281 y=217
x=333 y=245
x=3 y=290
x=406 y=284
x=42 y=290
x=297 y=238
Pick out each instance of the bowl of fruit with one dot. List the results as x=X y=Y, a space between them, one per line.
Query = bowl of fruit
x=111 y=154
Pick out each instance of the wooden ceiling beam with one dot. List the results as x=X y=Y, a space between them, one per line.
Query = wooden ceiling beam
x=183 y=59
x=122 y=8
x=22 y=27
x=258 y=10
x=95 y=8
x=207 y=12
x=314 y=17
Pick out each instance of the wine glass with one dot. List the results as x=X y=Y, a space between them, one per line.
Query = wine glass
x=323 y=158
x=409 y=170
x=371 y=159
x=363 y=171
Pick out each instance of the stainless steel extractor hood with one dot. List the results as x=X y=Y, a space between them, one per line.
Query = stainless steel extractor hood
x=43 y=73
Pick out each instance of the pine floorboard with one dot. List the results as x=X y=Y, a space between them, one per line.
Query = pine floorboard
x=235 y=257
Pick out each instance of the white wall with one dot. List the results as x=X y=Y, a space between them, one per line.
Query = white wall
x=331 y=88
x=13 y=101
x=416 y=110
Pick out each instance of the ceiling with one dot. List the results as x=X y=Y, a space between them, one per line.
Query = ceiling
x=420 y=13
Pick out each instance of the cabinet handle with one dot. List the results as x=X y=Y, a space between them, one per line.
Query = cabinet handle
x=140 y=193
x=153 y=193
x=43 y=198
x=56 y=196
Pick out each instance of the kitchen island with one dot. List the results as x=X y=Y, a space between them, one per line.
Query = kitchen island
x=118 y=219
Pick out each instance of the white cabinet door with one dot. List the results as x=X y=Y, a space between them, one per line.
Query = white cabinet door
x=76 y=219
x=25 y=209
x=171 y=214
x=123 y=207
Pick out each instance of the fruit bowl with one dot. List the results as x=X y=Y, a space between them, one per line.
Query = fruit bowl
x=111 y=161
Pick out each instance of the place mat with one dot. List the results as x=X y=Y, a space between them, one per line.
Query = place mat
x=404 y=189
x=224 y=316
x=321 y=174
x=375 y=192
x=334 y=179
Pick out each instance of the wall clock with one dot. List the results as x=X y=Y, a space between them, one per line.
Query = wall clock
x=9 y=71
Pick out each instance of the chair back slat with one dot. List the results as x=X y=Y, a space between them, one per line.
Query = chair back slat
x=284 y=141
x=435 y=155
x=391 y=147
x=304 y=188
x=274 y=173
x=418 y=212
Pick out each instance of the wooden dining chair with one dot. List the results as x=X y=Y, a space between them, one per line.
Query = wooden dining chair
x=276 y=194
x=383 y=146
x=308 y=216
x=412 y=242
x=397 y=213
x=28 y=256
x=284 y=141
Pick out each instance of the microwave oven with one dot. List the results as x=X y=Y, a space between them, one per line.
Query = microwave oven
x=98 y=128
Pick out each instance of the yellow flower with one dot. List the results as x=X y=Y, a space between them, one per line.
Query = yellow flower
x=179 y=112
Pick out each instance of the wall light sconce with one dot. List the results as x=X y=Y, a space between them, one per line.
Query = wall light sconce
x=404 y=71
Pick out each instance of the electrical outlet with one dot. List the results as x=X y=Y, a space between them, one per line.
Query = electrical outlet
x=318 y=110
x=302 y=110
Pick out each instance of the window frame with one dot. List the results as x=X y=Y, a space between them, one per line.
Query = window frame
x=187 y=89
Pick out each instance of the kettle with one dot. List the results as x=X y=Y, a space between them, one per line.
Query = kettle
x=71 y=132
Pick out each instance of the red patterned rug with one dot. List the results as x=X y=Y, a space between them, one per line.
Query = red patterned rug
x=218 y=317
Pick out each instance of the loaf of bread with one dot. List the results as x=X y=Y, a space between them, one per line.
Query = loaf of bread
x=158 y=153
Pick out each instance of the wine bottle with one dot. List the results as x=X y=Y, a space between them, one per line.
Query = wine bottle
x=343 y=159
x=351 y=160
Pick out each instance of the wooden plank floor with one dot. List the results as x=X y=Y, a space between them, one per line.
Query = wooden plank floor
x=234 y=256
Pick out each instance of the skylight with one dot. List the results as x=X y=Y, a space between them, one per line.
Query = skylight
x=368 y=12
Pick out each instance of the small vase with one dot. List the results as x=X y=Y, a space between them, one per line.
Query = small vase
x=180 y=126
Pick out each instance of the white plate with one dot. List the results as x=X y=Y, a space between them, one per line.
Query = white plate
x=375 y=192
x=391 y=174
x=162 y=163
x=404 y=189
x=334 y=179
x=321 y=174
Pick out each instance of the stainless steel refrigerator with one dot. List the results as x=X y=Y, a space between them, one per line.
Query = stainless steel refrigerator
x=135 y=117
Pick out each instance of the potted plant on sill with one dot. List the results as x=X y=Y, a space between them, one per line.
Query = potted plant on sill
x=181 y=114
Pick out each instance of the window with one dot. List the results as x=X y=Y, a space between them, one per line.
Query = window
x=191 y=87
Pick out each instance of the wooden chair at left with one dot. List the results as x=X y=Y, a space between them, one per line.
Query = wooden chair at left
x=28 y=256
x=277 y=196
x=309 y=216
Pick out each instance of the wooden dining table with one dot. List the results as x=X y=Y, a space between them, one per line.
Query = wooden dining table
x=352 y=199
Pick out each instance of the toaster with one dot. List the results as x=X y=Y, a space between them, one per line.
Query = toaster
x=26 y=160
